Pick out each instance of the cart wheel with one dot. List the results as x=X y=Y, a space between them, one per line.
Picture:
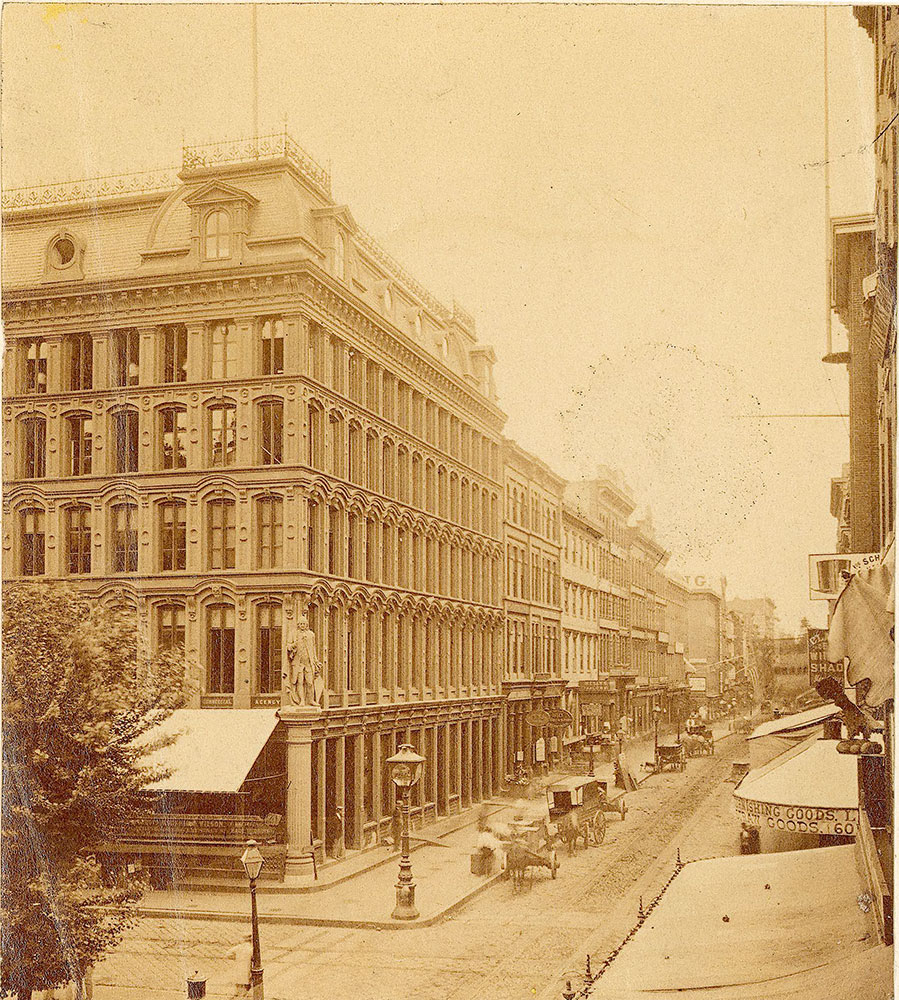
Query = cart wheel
x=555 y=863
x=599 y=828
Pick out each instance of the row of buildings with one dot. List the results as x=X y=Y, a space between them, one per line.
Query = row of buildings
x=227 y=407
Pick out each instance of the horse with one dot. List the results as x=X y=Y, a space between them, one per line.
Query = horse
x=571 y=827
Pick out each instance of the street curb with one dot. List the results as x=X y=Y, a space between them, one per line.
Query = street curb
x=298 y=921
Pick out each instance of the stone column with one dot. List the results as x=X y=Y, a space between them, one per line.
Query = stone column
x=298 y=721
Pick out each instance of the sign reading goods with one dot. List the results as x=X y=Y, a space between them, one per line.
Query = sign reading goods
x=798 y=819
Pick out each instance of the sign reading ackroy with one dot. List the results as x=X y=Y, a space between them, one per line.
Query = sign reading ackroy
x=798 y=819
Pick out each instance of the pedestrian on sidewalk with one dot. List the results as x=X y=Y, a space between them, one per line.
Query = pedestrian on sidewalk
x=241 y=956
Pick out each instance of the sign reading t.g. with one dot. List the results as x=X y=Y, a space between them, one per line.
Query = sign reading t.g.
x=818 y=666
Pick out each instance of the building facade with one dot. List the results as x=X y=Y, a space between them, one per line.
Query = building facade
x=226 y=406
x=581 y=548
x=533 y=602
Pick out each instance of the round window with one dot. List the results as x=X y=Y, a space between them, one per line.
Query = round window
x=63 y=251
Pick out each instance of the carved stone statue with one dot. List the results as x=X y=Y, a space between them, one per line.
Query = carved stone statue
x=302 y=676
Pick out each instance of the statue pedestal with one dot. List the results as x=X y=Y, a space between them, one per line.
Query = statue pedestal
x=298 y=721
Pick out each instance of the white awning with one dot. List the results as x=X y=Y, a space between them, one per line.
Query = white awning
x=784 y=925
x=214 y=749
x=791 y=723
x=809 y=789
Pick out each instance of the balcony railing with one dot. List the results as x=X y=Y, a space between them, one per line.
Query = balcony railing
x=200 y=828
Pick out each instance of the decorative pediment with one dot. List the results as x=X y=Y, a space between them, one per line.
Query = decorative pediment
x=339 y=213
x=219 y=193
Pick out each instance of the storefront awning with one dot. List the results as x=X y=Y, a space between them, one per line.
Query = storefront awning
x=794 y=723
x=213 y=749
x=808 y=789
x=782 y=925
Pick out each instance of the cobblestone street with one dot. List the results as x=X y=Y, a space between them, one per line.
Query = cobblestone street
x=503 y=944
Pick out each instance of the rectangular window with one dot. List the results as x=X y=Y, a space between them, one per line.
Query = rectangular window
x=223 y=421
x=272 y=337
x=224 y=350
x=268 y=648
x=124 y=539
x=335 y=518
x=170 y=630
x=174 y=354
x=270 y=520
x=174 y=536
x=125 y=440
x=125 y=357
x=174 y=439
x=35 y=365
x=80 y=445
x=312 y=535
x=78 y=539
x=35 y=448
x=271 y=416
x=220 y=646
x=81 y=361
x=221 y=534
x=32 y=542
x=317 y=346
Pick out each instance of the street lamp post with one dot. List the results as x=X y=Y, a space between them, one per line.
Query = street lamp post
x=405 y=770
x=252 y=862
x=657 y=714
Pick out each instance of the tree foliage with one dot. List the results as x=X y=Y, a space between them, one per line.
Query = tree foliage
x=81 y=697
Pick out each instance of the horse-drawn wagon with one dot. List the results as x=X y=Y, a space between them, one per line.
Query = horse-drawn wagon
x=529 y=845
x=672 y=757
x=577 y=808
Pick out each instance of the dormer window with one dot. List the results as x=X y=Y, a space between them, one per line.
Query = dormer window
x=340 y=256
x=217 y=235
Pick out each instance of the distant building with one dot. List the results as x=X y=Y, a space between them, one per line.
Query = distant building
x=532 y=530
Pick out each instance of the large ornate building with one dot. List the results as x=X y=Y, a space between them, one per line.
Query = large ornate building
x=225 y=405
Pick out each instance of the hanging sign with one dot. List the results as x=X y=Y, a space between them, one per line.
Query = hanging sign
x=538 y=718
x=818 y=666
x=559 y=717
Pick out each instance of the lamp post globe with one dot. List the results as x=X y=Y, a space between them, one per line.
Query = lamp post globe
x=252 y=861
x=405 y=771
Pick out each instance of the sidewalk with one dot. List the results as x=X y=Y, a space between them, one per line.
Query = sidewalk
x=358 y=892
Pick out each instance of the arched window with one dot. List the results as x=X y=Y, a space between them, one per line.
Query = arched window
x=221 y=533
x=271 y=420
x=315 y=441
x=387 y=468
x=124 y=538
x=80 y=441
x=372 y=461
x=217 y=235
x=34 y=447
x=173 y=437
x=270 y=521
x=125 y=440
x=223 y=434
x=78 y=539
x=220 y=649
x=170 y=626
x=173 y=538
x=355 y=453
x=32 y=521
x=268 y=648
x=338 y=444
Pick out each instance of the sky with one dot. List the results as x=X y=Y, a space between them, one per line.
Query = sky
x=629 y=199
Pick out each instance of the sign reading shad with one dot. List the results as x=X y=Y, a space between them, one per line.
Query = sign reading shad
x=798 y=819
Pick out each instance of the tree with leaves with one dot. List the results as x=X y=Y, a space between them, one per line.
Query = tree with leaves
x=81 y=697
